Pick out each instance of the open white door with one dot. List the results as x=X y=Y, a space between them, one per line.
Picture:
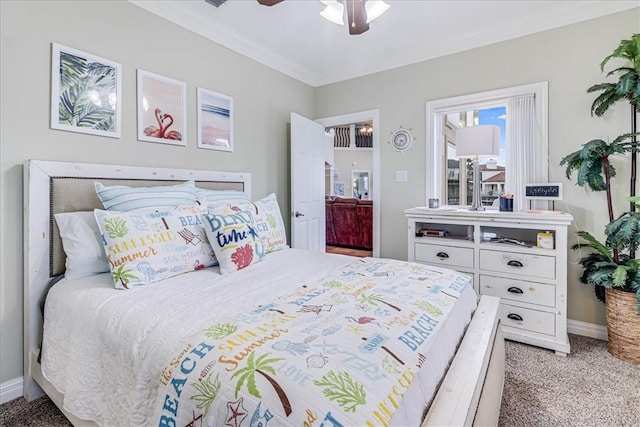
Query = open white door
x=307 y=184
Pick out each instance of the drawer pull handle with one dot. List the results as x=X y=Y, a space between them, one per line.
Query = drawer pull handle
x=515 y=264
x=514 y=316
x=442 y=255
x=515 y=290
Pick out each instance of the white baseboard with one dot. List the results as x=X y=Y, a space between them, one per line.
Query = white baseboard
x=10 y=390
x=587 y=329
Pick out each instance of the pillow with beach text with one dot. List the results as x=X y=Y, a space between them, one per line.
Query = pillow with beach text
x=266 y=215
x=234 y=240
x=149 y=245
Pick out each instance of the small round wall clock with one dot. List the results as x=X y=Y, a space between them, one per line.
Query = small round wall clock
x=401 y=139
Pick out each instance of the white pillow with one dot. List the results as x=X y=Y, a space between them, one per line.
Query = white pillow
x=82 y=243
x=123 y=198
x=234 y=240
x=149 y=245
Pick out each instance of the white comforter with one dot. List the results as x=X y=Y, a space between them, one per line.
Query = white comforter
x=105 y=349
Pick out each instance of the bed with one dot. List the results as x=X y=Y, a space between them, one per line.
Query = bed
x=255 y=349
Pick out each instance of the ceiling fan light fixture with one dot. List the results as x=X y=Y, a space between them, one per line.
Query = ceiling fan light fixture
x=334 y=11
x=375 y=8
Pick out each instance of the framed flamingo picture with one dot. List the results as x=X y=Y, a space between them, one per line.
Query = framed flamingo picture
x=85 y=92
x=215 y=120
x=162 y=109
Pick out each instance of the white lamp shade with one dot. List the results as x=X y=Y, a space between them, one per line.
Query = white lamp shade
x=478 y=141
x=334 y=11
x=375 y=8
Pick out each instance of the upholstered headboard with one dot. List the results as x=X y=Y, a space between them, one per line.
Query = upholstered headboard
x=55 y=187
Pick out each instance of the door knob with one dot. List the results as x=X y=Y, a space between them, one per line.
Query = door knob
x=297 y=214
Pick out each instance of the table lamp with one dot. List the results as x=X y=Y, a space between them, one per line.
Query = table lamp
x=476 y=142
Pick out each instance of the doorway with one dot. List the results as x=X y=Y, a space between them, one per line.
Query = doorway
x=372 y=181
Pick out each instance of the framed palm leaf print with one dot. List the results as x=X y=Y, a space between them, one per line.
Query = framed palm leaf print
x=85 y=92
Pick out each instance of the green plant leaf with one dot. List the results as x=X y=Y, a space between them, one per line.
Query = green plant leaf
x=620 y=276
x=624 y=232
x=342 y=389
x=628 y=85
x=208 y=392
x=594 y=244
x=220 y=330
x=115 y=227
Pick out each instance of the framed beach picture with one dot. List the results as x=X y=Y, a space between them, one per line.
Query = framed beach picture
x=86 y=92
x=215 y=120
x=162 y=109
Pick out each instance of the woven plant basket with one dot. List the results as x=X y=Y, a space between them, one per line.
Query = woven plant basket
x=623 y=325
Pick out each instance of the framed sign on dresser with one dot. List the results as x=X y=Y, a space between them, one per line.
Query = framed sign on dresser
x=520 y=257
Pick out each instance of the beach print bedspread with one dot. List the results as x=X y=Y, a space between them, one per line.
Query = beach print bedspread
x=338 y=352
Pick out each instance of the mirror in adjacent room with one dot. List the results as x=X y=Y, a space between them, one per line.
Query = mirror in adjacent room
x=360 y=184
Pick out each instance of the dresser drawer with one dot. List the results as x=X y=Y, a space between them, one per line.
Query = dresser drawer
x=444 y=255
x=518 y=290
x=525 y=264
x=530 y=320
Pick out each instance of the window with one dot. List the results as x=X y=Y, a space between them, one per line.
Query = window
x=457 y=189
x=521 y=114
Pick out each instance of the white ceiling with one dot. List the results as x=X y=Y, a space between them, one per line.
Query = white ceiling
x=294 y=39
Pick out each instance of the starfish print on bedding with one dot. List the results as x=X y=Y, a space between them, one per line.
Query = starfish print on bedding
x=236 y=413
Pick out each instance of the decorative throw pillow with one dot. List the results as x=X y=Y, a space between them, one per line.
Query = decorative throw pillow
x=82 y=243
x=234 y=240
x=266 y=215
x=269 y=224
x=123 y=198
x=149 y=245
x=230 y=206
x=206 y=196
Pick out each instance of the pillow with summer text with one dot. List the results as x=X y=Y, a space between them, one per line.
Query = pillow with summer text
x=149 y=245
x=234 y=240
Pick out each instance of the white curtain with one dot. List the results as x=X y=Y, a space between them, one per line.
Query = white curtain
x=524 y=148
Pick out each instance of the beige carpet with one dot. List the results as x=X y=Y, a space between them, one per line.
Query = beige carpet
x=589 y=388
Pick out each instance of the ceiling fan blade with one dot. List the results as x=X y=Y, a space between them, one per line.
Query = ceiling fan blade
x=357 y=15
x=216 y=3
x=269 y=2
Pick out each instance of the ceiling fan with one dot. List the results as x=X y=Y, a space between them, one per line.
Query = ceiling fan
x=359 y=12
x=218 y=3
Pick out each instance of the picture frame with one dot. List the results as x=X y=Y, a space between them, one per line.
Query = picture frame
x=162 y=109
x=338 y=189
x=86 y=92
x=215 y=120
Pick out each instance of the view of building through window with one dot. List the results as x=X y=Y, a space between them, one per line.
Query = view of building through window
x=459 y=173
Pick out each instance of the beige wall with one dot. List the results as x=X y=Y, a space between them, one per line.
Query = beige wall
x=122 y=32
x=568 y=58
x=344 y=161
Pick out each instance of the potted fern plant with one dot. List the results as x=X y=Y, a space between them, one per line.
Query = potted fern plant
x=612 y=265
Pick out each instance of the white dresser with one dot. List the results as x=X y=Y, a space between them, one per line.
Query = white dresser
x=530 y=280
